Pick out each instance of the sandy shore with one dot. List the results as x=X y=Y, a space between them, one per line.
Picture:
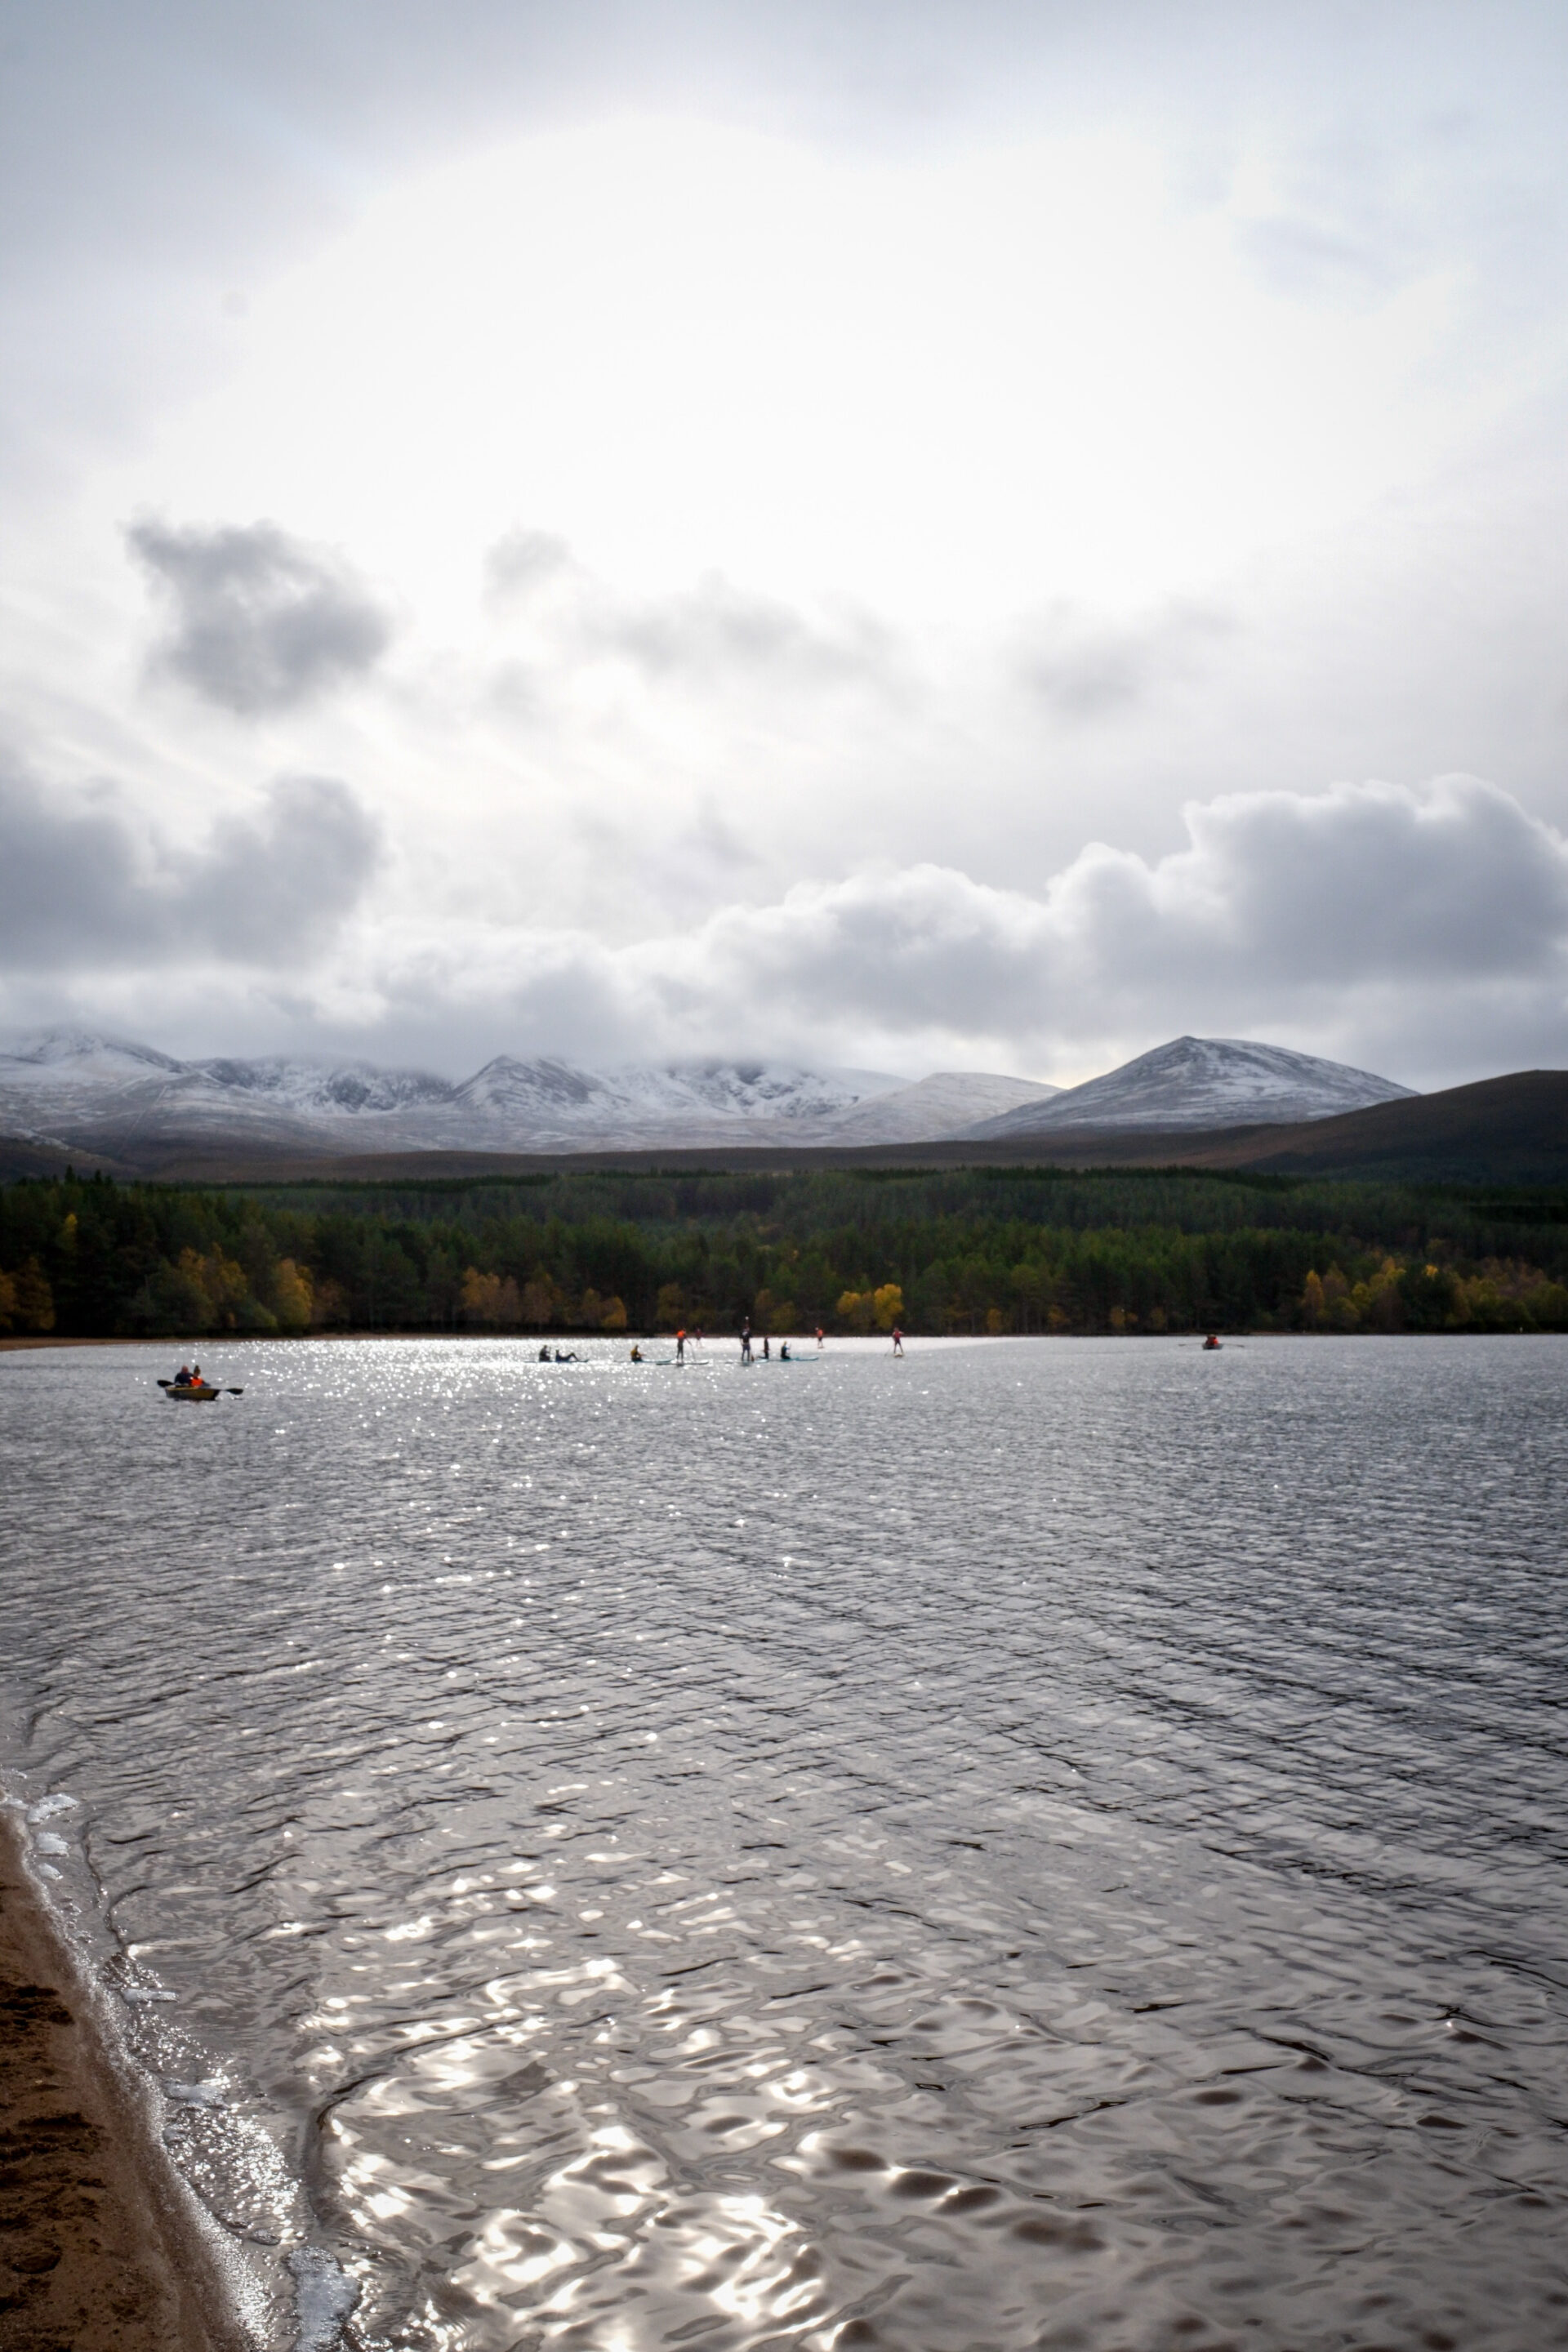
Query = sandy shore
x=95 y=2255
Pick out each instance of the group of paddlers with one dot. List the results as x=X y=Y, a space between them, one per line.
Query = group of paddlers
x=749 y=1348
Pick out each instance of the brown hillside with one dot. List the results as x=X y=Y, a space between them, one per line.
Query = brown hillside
x=1511 y=1129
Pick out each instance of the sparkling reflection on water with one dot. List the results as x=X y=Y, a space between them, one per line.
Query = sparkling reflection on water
x=1044 y=1844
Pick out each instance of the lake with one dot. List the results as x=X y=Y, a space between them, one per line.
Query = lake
x=1044 y=1843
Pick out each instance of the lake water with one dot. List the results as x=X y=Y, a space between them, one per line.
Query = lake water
x=1041 y=1844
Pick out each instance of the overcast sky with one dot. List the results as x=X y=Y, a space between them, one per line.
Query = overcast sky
x=914 y=535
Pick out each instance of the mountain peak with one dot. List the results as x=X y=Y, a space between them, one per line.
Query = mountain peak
x=1196 y=1082
x=74 y=1049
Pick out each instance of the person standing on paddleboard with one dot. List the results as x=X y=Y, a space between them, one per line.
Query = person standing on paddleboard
x=898 y=1341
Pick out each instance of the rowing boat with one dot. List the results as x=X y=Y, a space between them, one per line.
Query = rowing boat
x=194 y=1392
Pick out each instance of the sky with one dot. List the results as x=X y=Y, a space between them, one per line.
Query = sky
x=904 y=536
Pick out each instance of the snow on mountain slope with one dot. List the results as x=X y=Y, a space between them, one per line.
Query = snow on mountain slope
x=688 y=1101
x=948 y=1103
x=60 y=1056
x=74 y=1088
x=1199 y=1082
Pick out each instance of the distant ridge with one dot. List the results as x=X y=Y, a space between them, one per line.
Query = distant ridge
x=1507 y=1130
x=1203 y=1082
x=72 y=1090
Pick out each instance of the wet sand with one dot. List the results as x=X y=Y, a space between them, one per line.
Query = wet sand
x=95 y=2255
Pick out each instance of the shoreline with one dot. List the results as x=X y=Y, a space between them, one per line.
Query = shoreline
x=18 y=1343
x=96 y=2252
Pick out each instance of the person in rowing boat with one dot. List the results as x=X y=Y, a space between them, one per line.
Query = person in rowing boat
x=196 y=1380
x=182 y=1377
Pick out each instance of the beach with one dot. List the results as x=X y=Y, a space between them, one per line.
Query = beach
x=94 y=2253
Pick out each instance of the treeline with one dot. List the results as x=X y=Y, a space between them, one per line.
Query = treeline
x=996 y=1250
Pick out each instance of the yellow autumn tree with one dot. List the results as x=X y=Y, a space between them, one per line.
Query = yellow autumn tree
x=888 y=1303
x=293 y=1295
x=538 y=1301
x=480 y=1297
x=490 y=1298
x=216 y=1285
x=34 y=1299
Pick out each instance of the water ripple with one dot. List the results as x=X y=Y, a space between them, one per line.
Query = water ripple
x=1044 y=1844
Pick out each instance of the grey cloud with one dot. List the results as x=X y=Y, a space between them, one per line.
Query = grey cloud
x=260 y=622
x=69 y=879
x=1278 y=894
x=1083 y=671
x=79 y=891
x=526 y=561
x=707 y=634
x=715 y=628
x=1425 y=933
x=277 y=886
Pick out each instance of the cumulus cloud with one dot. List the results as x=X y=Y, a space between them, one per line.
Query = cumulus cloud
x=260 y=622
x=1430 y=928
x=81 y=891
x=1423 y=933
x=1278 y=897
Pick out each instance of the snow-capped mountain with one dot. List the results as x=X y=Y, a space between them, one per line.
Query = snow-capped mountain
x=948 y=1103
x=552 y=1097
x=73 y=1089
x=1196 y=1082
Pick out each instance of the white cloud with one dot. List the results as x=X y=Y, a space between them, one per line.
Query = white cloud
x=1422 y=932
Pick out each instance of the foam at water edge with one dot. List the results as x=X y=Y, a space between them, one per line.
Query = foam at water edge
x=254 y=2302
